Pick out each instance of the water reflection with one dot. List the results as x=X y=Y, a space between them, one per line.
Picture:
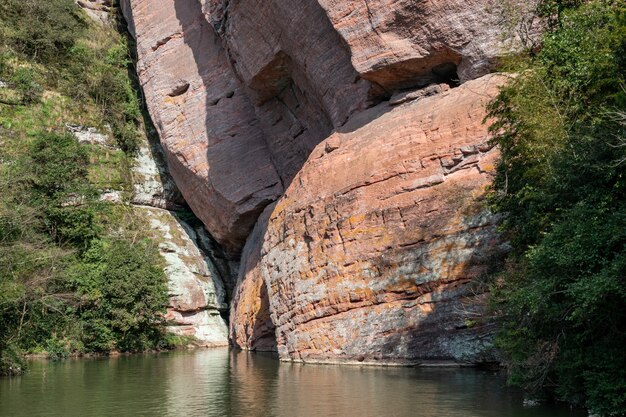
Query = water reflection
x=222 y=383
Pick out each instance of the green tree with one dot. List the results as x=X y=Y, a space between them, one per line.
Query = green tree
x=562 y=182
x=124 y=288
x=58 y=173
x=72 y=277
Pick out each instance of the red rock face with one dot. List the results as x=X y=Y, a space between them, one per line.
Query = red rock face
x=397 y=43
x=337 y=119
x=213 y=141
x=252 y=327
x=241 y=93
x=374 y=250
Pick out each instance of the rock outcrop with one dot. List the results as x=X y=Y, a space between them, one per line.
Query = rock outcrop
x=152 y=184
x=197 y=296
x=198 y=281
x=375 y=249
x=211 y=137
x=333 y=140
x=241 y=94
x=98 y=10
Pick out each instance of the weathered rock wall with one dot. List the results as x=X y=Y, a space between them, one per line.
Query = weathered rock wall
x=400 y=43
x=374 y=251
x=241 y=91
x=337 y=121
x=197 y=295
x=210 y=134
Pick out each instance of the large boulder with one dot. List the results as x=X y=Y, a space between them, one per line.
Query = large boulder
x=376 y=250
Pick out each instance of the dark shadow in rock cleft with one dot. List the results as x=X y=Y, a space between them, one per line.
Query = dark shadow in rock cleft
x=241 y=179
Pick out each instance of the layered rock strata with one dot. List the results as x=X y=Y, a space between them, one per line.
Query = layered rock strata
x=211 y=137
x=340 y=124
x=198 y=280
x=197 y=296
x=378 y=257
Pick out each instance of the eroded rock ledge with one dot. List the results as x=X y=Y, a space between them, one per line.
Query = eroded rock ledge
x=343 y=126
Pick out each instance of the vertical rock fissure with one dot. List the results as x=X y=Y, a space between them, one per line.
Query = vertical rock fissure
x=195 y=265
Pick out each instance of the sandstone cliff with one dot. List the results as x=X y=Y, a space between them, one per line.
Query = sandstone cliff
x=198 y=279
x=351 y=134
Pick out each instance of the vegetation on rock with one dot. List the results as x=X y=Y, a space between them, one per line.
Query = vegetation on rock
x=561 y=127
x=66 y=53
x=77 y=274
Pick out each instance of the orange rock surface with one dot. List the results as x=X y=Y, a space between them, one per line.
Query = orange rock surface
x=374 y=250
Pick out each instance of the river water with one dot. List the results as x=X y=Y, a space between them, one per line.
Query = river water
x=223 y=383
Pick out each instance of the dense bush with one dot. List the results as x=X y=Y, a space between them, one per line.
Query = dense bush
x=60 y=189
x=123 y=288
x=73 y=277
x=26 y=82
x=44 y=30
x=562 y=182
x=66 y=285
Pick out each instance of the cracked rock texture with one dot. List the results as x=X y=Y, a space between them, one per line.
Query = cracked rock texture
x=198 y=280
x=152 y=184
x=374 y=251
x=196 y=291
x=329 y=145
x=242 y=92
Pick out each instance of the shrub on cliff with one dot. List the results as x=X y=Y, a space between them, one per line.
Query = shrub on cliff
x=108 y=84
x=61 y=191
x=76 y=274
x=561 y=126
x=69 y=281
x=123 y=290
x=43 y=30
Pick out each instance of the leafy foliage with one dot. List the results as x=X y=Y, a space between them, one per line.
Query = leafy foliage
x=76 y=274
x=66 y=285
x=60 y=188
x=109 y=85
x=42 y=30
x=561 y=126
x=123 y=287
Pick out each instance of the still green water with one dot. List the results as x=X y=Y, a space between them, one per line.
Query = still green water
x=225 y=383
